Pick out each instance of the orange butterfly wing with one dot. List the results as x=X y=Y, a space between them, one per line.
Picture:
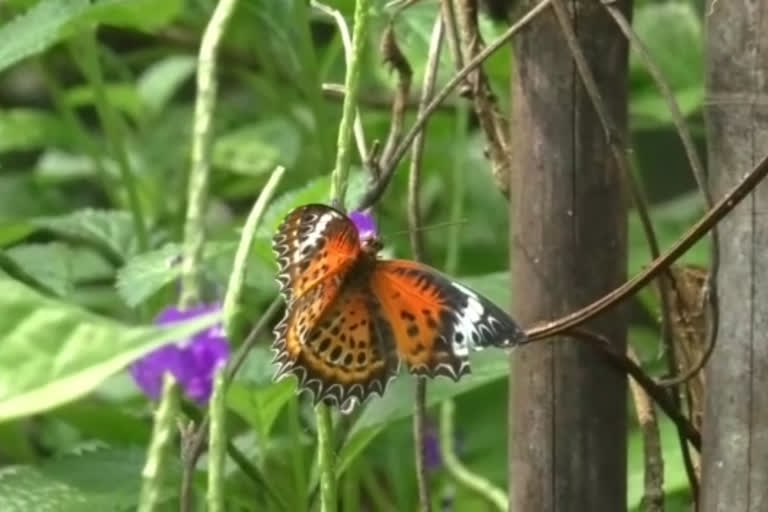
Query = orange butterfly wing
x=435 y=321
x=313 y=243
x=349 y=353
x=331 y=337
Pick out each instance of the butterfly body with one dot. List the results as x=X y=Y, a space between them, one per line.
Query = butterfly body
x=351 y=318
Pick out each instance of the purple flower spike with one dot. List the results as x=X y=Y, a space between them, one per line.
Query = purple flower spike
x=366 y=227
x=193 y=361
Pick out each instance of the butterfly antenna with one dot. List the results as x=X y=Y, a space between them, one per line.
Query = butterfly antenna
x=438 y=225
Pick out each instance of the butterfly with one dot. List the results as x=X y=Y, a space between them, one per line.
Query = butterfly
x=351 y=318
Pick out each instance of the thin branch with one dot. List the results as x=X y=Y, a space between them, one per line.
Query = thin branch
x=379 y=100
x=653 y=499
x=483 y=99
x=419 y=424
x=346 y=41
x=417 y=248
x=377 y=189
x=452 y=32
x=393 y=56
x=622 y=363
x=693 y=235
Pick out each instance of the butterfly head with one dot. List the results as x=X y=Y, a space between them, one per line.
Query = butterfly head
x=370 y=242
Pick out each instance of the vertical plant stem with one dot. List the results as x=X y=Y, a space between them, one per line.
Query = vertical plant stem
x=217 y=444
x=197 y=195
x=297 y=457
x=349 y=107
x=157 y=455
x=85 y=52
x=417 y=248
x=326 y=455
x=326 y=459
x=419 y=426
x=237 y=277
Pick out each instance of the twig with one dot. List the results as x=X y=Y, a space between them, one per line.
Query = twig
x=653 y=499
x=693 y=235
x=486 y=109
x=393 y=56
x=346 y=41
x=377 y=189
x=378 y=100
x=417 y=248
x=622 y=363
x=455 y=467
x=452 y=32
x=205 y=103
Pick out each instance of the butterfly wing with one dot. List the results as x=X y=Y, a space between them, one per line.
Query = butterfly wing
x=348 y=353
x=314 y=243
x=435 y=321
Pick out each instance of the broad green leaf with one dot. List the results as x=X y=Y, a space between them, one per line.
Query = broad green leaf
x=160 y=81
x=50 y=21
x=259 y=406
x=145 y=274
x=25 y=128
x=50 y=265
x=258 y=148
x=94 y=477
x=53 y=352
x=111 y=230
x=37 y=29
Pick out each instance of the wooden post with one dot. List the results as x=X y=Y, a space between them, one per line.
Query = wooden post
x=735 y=437
x=568 y=410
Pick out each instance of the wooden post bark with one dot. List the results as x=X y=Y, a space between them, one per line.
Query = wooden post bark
x=568 y=410
x=735 y=437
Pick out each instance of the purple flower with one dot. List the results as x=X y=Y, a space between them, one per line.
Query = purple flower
x=192 y=361
x=364 y=223
x=433 y=459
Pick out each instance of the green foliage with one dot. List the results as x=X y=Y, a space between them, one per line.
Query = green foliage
x=69 y=248
x=54 y=352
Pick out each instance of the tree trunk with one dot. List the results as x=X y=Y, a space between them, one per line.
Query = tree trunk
x=568 y=409
x=735 y=437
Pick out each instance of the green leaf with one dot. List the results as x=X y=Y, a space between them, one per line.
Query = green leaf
x=54 y=353
x=25 y=128
x=145 y=274
x=258 y=148
x=111 y=230
x=38 y=29
x=48 y=264
x=56 y=166
x=50 y=21
x=161 y=80
x=93 y=477
x=260 y=406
